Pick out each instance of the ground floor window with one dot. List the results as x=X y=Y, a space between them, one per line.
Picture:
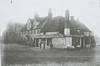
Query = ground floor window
x=75 y=41
x=87 y=40
x=49 y=41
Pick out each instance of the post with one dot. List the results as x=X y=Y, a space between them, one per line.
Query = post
x=84 y=43
x=80 y=42
x=90 y=42
x=65 y=43
x=44 y=42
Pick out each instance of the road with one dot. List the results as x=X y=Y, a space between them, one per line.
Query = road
x=19 y=54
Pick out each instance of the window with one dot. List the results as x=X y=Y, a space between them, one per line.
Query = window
x=76 y=31
x=38 y=31
x=91 y=33
x=32 y=31
x=26 y=32
x=86 y=33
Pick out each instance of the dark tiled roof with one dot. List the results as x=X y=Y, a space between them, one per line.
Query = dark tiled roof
x=78 y=25
x=57 y=24
x=53 y=25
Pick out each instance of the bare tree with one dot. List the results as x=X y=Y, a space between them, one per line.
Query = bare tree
x=11 y=35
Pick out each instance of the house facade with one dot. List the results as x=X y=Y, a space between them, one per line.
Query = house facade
x=58 y=32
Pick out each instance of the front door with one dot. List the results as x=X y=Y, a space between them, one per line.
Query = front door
x=76 y=42
x=42 y=43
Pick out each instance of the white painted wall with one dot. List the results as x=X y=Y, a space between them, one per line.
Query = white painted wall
x=68 y=41
x=67 y=31
x=60 y=42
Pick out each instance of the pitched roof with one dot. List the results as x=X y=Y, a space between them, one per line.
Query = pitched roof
x=58 y=24
x=53 y=25
x=78 y=25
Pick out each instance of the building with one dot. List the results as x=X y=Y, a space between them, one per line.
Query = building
x=58 y=32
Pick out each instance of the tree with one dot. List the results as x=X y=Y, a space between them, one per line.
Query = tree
x=11 y=35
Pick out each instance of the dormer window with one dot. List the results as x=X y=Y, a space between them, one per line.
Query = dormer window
x=38 y=31
x=78 y=31
x=34 y=31
x=26 y=32
x=87 y=33
x=91 y=34
x=30 y=32
x=35 y=23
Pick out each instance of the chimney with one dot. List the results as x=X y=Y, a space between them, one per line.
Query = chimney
x=36 y=16
x=72 y=18
x=67 y=14
x=50 y=13
x=67 y=26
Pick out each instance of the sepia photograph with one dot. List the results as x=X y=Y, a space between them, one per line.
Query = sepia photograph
x=49 y=32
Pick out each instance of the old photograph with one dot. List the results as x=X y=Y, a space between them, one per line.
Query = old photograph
x=49 y=32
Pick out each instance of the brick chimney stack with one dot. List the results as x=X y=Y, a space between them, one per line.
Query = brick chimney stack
x=72 y=18
x=67 y=29
x=67 y=14
x=36 y=16
x=49 y=13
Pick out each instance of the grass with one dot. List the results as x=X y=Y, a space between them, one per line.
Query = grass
x=18 y=54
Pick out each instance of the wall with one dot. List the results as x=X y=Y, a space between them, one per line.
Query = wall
x=60 y=42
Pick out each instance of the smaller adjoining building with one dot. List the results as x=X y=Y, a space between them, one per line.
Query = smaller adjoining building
x=57 y=32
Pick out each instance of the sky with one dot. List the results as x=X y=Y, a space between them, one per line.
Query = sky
x=87 y=11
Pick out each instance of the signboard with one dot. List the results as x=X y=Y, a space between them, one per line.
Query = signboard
x=66 y=31
x=68 y=42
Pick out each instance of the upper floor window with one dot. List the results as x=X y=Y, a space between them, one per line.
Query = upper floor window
x=35 y=31
x=26 y=32
x=76 y=31
x=38 y=31
x=32 y=31
x=91 y=34
x=87 y=33
x=35 y=23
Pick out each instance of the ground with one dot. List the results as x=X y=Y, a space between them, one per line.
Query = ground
x=18 y=54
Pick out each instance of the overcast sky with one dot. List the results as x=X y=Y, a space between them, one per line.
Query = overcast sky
x=88 y=11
